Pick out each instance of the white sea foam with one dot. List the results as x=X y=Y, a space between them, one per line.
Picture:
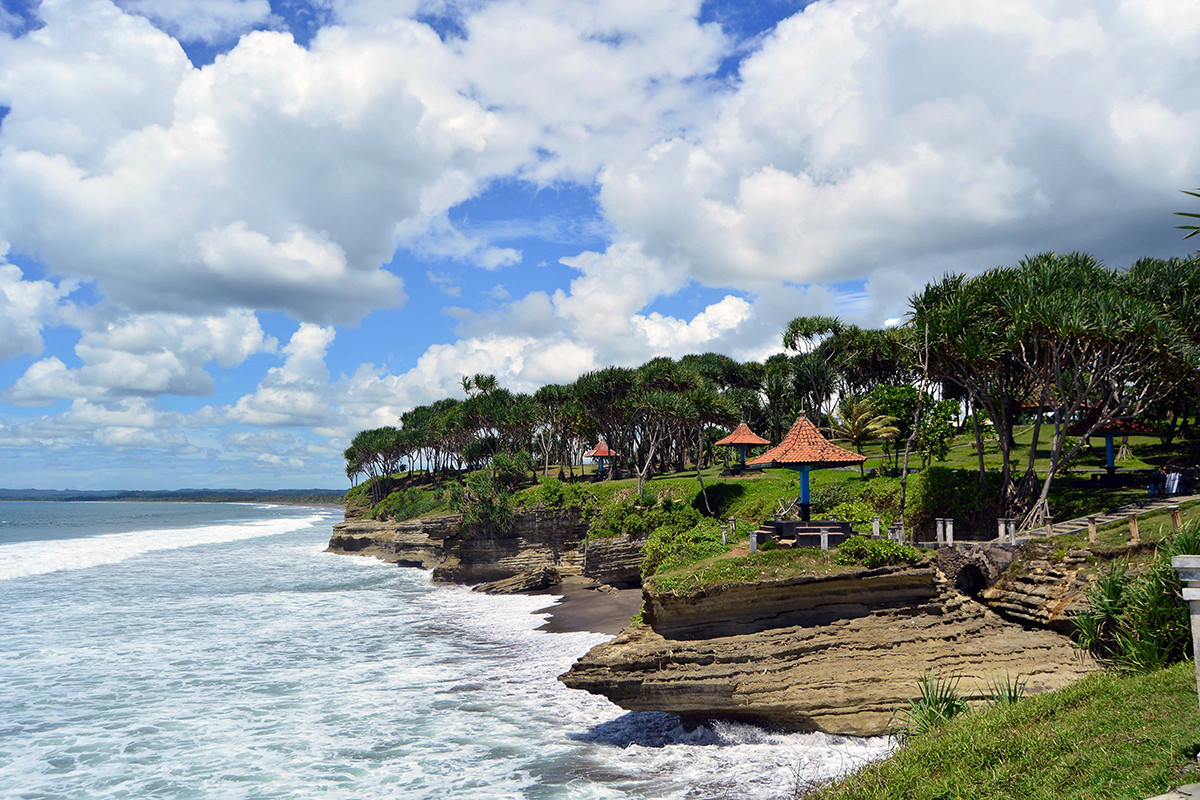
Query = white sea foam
x=266 y=670
x=23 y=559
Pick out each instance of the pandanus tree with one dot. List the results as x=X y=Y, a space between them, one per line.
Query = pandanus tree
x=1061 y=330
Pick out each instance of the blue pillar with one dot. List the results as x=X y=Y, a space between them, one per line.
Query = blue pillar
x=742 y=450
x=1111 y=462
x=804 y=506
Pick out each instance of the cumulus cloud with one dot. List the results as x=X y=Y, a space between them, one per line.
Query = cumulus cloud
x=203 y=20
x=147 y=354
x=25 y=308
x=295 y=393
x=870 y=134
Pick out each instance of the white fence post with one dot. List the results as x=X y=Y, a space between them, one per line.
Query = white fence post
x=875 y=526
x=1188 y=568
x=753 y=541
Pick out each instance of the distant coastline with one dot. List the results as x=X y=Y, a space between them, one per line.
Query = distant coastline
x=298 y=497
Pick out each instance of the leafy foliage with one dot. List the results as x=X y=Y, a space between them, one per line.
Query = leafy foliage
x=405 y=504
x=876 y=552
x=1139 y=623
x=938 y=703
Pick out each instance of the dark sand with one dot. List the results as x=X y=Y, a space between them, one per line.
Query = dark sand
x=584 y=608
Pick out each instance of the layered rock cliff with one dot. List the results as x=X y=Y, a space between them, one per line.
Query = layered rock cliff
x=837 y=653
x=538 y=540
x=1046 y=587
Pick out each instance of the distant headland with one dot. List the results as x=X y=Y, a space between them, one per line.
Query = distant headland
x=321 y=497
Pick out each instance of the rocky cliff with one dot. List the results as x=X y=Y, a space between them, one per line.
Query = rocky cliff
x=538 y=540
x=1047 y=587
x=837 y=653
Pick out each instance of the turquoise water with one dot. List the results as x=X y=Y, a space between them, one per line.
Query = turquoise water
x=162 y=650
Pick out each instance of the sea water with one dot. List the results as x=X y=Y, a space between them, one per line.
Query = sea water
x=180 y=650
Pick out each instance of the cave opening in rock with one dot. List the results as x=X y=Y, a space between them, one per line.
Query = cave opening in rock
x=971 y=580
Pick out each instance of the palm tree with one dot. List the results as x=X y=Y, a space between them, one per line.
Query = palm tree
x=858 y=424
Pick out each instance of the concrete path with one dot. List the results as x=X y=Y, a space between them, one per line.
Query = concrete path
x=1189 y=792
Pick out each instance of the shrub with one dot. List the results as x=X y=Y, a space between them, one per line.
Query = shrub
x=857 y=513
x=1005 y=691
x=484 y=502
x=405 y=504
x=1140 y=623
x=876 y=552
x=679 y=540
x=939 y=702
x=827 y=496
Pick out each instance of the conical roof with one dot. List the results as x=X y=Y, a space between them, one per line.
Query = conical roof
x=600 y=451
x=805 y=446
x=743 y=435
x=1123 y=426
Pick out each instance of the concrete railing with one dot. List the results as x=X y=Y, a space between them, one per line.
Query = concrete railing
x=1188 y=568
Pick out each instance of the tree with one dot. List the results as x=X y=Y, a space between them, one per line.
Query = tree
x=858 y=424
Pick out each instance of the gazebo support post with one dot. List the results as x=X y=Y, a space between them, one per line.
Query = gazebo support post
x=1110 y=460
x=804 y=504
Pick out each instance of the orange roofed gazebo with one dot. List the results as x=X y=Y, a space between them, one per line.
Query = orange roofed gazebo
x=742 y=437
x=805 y=449
x=600 y=452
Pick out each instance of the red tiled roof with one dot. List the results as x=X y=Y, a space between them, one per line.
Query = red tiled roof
x=1119 y=427
x=804 y=445
x=743 y=435
x=600 y=451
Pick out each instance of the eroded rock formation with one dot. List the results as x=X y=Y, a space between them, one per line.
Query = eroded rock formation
x=538 y=540
x=837 y=654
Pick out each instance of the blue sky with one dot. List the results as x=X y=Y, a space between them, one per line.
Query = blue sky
x=234 y=232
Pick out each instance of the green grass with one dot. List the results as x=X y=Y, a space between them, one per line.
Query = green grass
x=720 y=571
x=1103 y=738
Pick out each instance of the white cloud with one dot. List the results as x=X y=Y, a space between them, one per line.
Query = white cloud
x=202 y=20
x=295 y=393
x=868 y=134
x=148 y=354
x=25 y=308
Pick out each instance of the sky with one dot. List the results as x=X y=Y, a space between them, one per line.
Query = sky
x=235 y=232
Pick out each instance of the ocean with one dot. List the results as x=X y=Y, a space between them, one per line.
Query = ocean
x=192 y=650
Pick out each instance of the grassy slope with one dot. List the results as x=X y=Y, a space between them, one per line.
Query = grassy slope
x=1106 y=738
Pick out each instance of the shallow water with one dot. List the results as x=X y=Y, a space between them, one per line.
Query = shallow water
x=204 y=651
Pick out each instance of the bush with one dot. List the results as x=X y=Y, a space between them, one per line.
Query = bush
x=677 y=540
x=826 y=497
x=405 y=504
x=939 y=702
x=484 y=502
x=1140 y=623
x=857 y=513
x=876 y=552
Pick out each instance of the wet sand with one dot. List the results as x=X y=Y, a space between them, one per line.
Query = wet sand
x=584 y=608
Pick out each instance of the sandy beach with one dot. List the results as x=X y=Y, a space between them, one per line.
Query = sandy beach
x=584 y=608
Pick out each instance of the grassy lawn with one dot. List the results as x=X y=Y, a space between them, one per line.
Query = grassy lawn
x=731 y=569
x=1104 y=738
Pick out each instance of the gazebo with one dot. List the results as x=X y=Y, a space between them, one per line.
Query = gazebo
x=600 y=452
x=1126 y=426
x=742 y=437
x=805 y=449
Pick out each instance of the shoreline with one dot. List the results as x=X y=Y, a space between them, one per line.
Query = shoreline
x=583 y=608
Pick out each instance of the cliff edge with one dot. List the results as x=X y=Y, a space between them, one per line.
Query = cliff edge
x=833 y=653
